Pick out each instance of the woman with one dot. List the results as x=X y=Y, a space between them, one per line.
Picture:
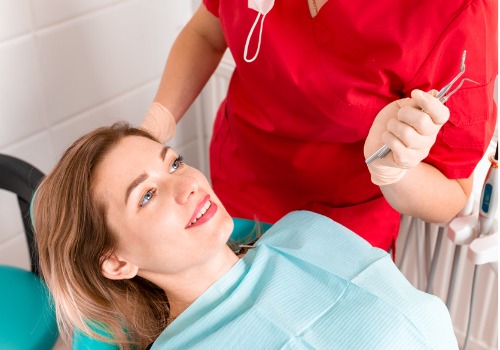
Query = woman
x=132 y=244
x=310 y=79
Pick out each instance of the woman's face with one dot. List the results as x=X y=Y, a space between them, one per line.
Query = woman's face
x=165 y=214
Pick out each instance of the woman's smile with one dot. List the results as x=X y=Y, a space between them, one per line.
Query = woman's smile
x=204 y=211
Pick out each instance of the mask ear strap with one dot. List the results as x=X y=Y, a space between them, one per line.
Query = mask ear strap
x=250 y=34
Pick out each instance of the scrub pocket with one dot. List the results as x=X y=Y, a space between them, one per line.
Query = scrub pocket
x=468 y=126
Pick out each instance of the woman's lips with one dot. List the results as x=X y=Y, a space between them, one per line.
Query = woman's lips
x=205 y=210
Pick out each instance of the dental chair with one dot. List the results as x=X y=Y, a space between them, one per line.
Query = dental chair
x=27 y=317
x=244 y=232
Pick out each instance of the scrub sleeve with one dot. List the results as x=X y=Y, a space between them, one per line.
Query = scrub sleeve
x=290 y=133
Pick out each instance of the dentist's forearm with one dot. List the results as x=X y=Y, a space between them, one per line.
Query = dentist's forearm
x=424 y=192
x=193 y=58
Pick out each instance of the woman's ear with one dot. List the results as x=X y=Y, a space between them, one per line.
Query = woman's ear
x=116 y=268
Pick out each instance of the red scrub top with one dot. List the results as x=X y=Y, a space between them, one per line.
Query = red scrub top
x=291 y=131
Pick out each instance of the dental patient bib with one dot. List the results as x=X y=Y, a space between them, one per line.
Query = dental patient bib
x=310 y=283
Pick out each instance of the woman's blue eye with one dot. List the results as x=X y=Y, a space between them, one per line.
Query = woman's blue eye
x=176 y=164
x=149 y=195
x=146 y=198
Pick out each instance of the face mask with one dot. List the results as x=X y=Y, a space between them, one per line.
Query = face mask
x=262 y=7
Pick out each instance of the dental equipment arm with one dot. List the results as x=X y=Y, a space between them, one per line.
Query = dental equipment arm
x=193 y=58
x=488 y=204
x=484 y=249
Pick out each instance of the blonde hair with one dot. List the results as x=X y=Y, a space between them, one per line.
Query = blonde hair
x=73 y=239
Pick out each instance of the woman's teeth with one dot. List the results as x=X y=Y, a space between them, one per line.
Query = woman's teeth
x=201 y=212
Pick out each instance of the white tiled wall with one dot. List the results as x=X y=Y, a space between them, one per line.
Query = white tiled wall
x=68 y=66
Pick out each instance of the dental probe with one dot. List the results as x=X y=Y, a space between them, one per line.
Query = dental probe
x=489 y=197
x=441 y=96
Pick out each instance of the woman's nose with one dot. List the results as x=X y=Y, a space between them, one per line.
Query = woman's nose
x=185 y=186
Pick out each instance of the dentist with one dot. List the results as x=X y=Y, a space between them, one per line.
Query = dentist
x=319 y=86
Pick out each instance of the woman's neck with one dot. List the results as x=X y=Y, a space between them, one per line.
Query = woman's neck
x=184 y=289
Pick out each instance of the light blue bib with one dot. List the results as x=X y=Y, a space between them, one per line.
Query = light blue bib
x=310 y=283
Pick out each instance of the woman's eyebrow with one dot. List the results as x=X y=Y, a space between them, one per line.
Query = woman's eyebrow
x=141 y=178
x=163 y=152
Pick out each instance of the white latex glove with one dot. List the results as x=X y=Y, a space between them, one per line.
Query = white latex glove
x=159 y=122
x=409 y=127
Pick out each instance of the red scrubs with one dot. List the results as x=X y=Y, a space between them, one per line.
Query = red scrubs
x=290 y=133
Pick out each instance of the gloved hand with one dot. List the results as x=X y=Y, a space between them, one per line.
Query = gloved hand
x=159 y=122
x=409 y=127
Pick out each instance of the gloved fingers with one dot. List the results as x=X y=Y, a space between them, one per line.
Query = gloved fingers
x=419 y=120
x=408 y=131
x=159 y=122
x=373 y=141
x=150 y=124
x=403 y=156
x=433 y=92
x=431 y=105
x=408 y=136
x=383 y=175
x=405 y=102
